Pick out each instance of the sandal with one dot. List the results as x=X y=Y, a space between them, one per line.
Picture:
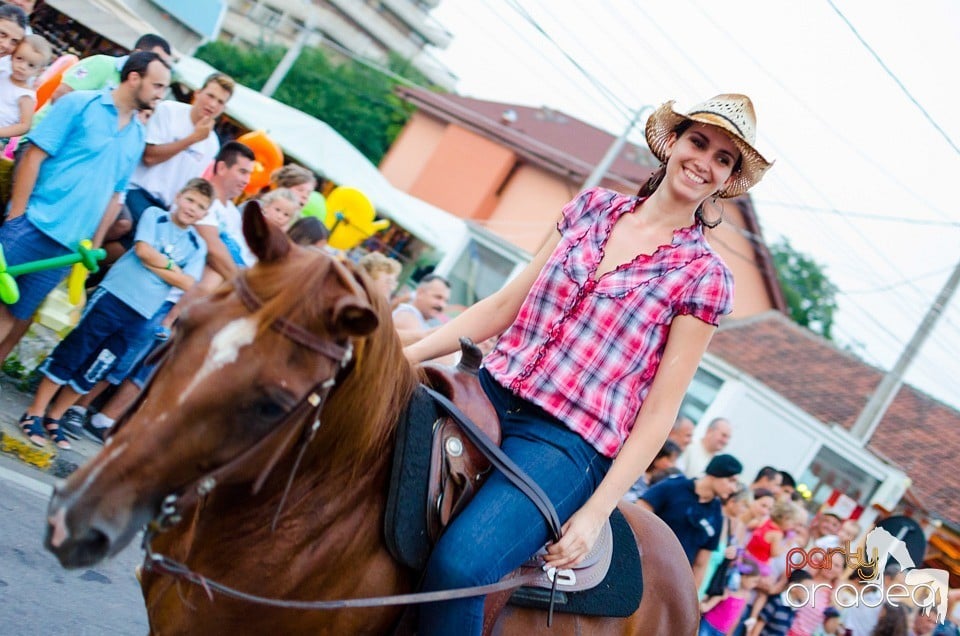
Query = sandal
x=32 y=428
x=56 y=433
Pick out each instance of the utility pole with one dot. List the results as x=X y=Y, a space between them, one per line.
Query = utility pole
x=614 y=151
x=289 y=58
x=877 y=405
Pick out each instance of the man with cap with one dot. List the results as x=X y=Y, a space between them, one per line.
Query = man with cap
x=693 y=508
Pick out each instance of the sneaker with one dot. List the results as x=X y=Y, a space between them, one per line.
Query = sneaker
x=72 y=422
x=94 y=433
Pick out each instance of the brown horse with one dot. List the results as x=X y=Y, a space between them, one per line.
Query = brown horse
x=237 y=373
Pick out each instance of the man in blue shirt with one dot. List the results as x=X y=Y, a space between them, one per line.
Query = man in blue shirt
x=693 y=508
x=69 y=181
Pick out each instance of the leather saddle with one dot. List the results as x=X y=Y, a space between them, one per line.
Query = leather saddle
x=437 y=459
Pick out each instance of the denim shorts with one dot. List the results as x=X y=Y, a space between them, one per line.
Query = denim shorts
x=139 y=344
x=22 y=243
x=95 y=345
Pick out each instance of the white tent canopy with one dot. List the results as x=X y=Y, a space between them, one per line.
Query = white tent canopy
x=319 y=147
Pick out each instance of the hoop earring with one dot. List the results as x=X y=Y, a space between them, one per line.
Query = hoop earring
x=718 y=204
x=656 y=177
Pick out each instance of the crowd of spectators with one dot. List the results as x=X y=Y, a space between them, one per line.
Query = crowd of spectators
x=108 y=159
x=743 y=540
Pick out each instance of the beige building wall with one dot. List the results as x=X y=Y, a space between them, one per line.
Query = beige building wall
x=529 y=207
x=411 y=150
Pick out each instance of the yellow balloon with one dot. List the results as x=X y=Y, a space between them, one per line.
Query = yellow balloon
x=77 y=279
x=350 y=218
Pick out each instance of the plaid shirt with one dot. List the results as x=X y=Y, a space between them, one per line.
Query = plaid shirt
x=586 y=349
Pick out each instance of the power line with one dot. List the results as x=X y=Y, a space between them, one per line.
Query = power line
x=896 y=79
x=861 y=215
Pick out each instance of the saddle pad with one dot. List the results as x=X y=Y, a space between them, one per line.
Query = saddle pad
x=405 y=518
x=619 y=593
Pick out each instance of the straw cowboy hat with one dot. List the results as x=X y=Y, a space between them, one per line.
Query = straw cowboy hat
x=732 y=114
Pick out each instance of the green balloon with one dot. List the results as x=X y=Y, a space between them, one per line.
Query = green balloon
x=316 y=206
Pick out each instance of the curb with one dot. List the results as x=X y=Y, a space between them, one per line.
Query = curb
x=57 y=463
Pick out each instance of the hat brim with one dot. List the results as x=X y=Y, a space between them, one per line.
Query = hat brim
x=664 y=121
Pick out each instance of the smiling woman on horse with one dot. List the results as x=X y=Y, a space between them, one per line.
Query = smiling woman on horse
x=602 y=334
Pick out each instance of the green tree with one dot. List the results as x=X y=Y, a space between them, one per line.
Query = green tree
x=810 y=295
x=354 y=99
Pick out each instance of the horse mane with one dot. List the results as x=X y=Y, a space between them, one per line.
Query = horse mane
x=359 y=419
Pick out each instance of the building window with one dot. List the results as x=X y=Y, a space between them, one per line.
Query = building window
x=701 y=394
x=831 y=471
x=479 y=272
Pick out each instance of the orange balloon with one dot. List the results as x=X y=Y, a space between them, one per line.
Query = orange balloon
x=49 y=80
x=268 y=157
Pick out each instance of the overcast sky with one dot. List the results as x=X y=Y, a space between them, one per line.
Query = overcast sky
x=863 y=182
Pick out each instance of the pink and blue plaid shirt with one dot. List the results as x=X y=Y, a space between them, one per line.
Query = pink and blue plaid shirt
x=586 y=349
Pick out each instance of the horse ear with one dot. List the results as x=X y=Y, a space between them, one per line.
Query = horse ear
x=354 y=316
x=267 y=241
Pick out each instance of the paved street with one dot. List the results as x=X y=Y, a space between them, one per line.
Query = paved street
x=37 y=596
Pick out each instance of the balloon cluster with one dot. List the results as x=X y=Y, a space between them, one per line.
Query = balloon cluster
x=83 y=260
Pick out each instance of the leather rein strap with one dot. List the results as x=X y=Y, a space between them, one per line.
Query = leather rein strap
x=504 y=464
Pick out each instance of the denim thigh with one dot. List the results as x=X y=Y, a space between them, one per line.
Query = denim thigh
x=23 y=243
x=501 y=528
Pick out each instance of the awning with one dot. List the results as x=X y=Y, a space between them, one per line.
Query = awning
x=112 y=19
x=203 y=18
x=317 y=146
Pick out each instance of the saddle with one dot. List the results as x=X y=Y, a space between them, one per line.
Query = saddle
x=437 y=468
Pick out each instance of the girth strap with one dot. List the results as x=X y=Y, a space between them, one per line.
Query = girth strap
x=504 y=464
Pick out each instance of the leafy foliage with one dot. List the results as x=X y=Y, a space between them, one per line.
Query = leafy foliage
x=810 y=295
x=356 y=100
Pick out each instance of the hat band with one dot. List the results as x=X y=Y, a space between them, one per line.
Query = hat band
x=721 y=116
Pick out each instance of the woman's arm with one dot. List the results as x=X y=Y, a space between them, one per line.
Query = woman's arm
x=686 y=344
x=487 y=318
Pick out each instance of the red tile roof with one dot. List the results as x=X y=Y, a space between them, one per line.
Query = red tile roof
x=918 y=433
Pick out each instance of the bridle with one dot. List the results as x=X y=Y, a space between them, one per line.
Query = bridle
x=303 y=420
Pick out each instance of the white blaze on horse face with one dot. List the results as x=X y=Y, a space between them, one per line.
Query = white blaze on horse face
x=224 y=349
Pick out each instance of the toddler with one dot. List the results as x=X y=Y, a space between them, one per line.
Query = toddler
x=17 y=97
x=280 y=207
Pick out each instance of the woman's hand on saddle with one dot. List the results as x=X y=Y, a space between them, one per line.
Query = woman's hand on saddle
x=580 y=533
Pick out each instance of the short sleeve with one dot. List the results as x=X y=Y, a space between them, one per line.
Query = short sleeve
x=50 y=134
x=583 y=206
x=158 y=125
x=147 y=226
x=767 y=612
x=711 y=295
x=657 y=495
x=86 y=74
x=193 y=266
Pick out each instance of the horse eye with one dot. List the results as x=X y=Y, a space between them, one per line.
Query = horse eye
x=269 y=410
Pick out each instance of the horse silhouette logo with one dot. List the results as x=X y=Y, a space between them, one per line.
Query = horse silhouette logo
x=881 y=545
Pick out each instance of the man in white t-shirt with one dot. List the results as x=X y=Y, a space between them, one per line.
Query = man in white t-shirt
x=181 y=143
x=698 y=454
x=222 y=227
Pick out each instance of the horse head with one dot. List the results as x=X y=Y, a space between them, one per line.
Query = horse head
x=246 y=369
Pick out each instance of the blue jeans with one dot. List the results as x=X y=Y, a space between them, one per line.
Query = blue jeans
x=140 y=342
x=91 y=350
x=500 y=528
